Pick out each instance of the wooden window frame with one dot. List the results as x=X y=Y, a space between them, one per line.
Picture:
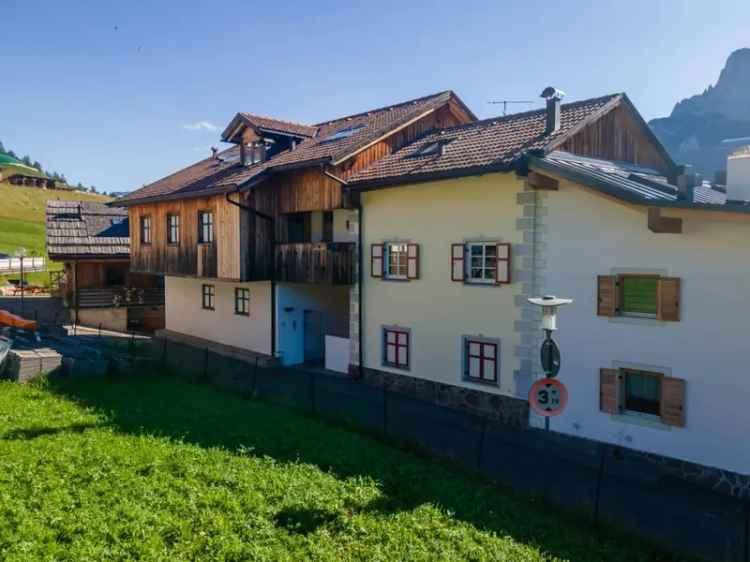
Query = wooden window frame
x=242 y=296
x=146 y=231
x=406 y=347
x=610 y=297
x=468 y=278
x=173 y=241
x=209 y=225
x=484 y=344
x=208 y=297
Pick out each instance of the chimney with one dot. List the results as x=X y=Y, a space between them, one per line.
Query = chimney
x=685 y=179
x=738 y=176
x=214 y=153
x=553 y=97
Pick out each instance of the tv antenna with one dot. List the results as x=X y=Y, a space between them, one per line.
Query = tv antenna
x=506 y=103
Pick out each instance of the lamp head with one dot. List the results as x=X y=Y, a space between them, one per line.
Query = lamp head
x=549 y=304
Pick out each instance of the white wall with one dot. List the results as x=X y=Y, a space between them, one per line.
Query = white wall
x=436 y=310
x=589 y=235
x=184 y=313
x=738 y=175
x=292 y=300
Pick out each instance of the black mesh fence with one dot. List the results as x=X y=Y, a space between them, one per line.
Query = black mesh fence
x=634 y=492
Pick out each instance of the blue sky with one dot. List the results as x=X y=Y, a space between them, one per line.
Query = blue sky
x=118 y=94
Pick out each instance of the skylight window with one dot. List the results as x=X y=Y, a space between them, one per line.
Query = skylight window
x=429 y=149
x=345 y=133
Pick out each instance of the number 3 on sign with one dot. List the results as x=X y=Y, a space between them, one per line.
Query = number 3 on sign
x=548 y=397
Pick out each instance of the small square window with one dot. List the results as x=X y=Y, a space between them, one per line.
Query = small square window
x=481 y=358
x=396 y=347
x=205 y=227
x=173 y=229
x=242 y=301
x=397 y=261
x=209 y=292
x=642 y=392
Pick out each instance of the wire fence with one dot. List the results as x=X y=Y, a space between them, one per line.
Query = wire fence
x=669 y=502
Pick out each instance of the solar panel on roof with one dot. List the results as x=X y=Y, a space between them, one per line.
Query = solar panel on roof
x=344 y=133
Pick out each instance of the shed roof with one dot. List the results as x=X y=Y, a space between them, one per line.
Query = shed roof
x=86 y=229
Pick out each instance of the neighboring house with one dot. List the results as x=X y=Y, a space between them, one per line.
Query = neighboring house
x=257 y=243
x=15 y=172
x=466 y=223
x=92 y=241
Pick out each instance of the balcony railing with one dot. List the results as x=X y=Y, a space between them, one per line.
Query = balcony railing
x=329 y=263
x=115 y=297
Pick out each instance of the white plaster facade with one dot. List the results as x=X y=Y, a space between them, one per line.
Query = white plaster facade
x=437 y=311
x=589 y=235
x=185 y=313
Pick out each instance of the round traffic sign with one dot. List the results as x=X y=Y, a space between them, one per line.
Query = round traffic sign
x=548 y=397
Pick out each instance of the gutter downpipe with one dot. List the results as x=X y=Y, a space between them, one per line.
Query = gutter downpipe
x=360 y=276
x=270 y=219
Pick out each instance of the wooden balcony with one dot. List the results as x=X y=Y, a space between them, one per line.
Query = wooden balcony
x=326 y=263
x=116 y=297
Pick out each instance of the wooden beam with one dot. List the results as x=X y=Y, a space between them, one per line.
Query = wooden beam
x=663 y=225
x=540 y=181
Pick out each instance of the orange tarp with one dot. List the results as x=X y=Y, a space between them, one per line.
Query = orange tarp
x=8 y=319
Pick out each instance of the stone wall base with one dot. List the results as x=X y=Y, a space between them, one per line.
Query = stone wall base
x=507 y=409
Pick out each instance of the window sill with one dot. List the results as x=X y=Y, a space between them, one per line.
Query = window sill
x=246 y=314
x=480 y=382
x=207 y=308
x=642 y=421
x=638 y=320
x=395 y=366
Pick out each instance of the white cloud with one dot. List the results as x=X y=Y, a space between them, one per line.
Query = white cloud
x=200 y=126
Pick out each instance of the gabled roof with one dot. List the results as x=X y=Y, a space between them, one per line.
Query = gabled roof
x=86 y=229
x=212 y=176
x=268 y=124
x=480 y=147
x=630 y=183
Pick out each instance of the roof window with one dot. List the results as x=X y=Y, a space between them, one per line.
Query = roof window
x=344 y=133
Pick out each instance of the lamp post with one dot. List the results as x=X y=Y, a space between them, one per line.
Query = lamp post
x=548 y=397
x=21 y=253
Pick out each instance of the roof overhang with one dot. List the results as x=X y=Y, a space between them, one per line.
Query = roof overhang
x=395 y=181
x=536 y=163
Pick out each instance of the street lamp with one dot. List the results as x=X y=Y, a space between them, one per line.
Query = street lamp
x=548 y=396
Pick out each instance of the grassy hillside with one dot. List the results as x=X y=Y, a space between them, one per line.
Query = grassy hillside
x=22 y=219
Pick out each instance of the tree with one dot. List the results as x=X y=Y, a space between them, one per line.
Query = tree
x=26 y=160
x=79 y=185
x=93 y=189
x=12 y=154
x=37 y=165
x=2 y=148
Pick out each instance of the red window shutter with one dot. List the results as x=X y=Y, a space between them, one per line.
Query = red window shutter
x=457 y=262
x=503 y=265
x=412 y=261
x=609 y=391
x=606 y=289
x=668 y=299
x=376 y=260
x=673 y=401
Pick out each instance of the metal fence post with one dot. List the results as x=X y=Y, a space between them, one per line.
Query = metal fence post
x=480 y=452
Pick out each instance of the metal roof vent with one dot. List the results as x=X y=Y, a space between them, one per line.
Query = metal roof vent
x=553 y=97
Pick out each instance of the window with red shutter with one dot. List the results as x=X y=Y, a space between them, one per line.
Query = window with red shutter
x=458 y=252
x=376 y=260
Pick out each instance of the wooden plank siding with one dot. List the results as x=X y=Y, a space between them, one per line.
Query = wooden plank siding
x=440 y=118
x=222 y=258
x=617 y=136
x=243 y=242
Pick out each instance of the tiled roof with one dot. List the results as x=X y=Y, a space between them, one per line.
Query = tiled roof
x=83 y=229
x=271 y=124
x=626 y=181
x=482 y=145
x=212 y=176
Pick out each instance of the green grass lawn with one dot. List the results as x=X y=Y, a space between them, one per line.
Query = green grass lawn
x=153 y=468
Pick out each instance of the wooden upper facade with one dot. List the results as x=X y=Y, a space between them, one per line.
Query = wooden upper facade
x=254 y=234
